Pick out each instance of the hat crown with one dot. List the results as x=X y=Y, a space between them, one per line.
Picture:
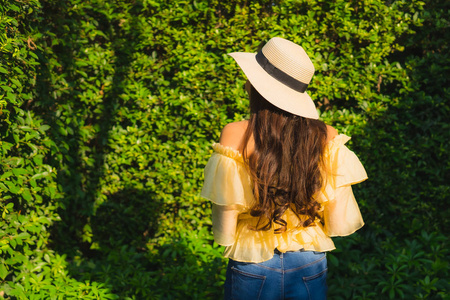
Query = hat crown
x=289 y=58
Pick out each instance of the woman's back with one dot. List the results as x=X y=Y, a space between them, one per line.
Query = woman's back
x=233 y=136
x=284 y=156
x=280 y=183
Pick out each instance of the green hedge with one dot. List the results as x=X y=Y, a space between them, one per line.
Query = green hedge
x=108 y=110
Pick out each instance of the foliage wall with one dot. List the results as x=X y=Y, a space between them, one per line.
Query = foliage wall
x=108 y=110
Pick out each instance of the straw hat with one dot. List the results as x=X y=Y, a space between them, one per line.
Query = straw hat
x=281 y=72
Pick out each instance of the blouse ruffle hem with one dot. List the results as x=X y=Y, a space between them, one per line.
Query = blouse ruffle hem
x=227 y=184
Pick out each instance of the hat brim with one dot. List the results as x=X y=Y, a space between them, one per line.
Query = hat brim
x=273 y=90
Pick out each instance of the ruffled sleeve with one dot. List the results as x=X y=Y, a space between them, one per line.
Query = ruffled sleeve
x=341 y=215
x=227 y=186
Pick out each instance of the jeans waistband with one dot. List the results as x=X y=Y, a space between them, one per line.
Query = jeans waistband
x=276 y=251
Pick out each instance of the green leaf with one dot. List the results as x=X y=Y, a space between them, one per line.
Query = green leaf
x=391 y=293
x=16 y=82
x=19 y=171
x=27 y=195
x=7 y=88
x=11 y=97
x=38 y=159
x=6 y=175
x=12 y=187
x=44 y=128
x=333 y=259
x=6 y=146
x=14 y=7
x=3 y=271
x=40 y=175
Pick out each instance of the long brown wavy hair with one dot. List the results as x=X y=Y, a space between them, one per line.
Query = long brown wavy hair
x=286 y=165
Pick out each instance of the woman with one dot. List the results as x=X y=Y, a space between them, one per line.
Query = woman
x=280 y=183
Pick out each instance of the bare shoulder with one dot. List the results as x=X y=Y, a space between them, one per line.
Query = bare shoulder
x=232 y=134
x=331 y=132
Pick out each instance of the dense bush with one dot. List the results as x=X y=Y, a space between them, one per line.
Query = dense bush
x=108 y=110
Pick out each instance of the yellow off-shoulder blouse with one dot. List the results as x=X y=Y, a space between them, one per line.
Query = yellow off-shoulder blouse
x=227 y=184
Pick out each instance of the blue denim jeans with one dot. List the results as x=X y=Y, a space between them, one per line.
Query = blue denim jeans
x=291 y=275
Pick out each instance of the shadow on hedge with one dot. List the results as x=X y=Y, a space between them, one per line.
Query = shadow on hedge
x=123 y=257
x=404 y=202
x=105 y=237
x=80 y=129
x=129 y=217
